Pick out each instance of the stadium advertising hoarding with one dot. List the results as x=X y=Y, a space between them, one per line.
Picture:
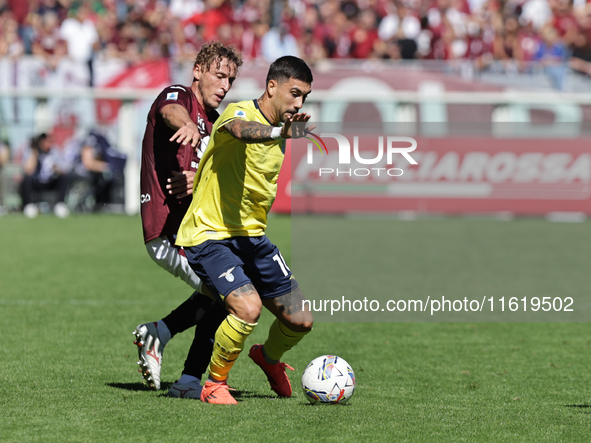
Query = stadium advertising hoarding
x=373 y=266
x=449 y=175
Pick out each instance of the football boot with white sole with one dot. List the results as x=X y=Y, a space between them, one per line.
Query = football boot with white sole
x=150 y=350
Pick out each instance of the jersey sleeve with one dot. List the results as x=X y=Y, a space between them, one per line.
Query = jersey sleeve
x=175 y=94
x=232 y=112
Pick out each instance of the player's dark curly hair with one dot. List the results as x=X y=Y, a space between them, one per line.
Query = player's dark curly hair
x=214 y=52
x=288 y=67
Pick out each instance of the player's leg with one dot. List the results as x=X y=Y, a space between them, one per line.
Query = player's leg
x=188 y=314
x=189 y=384
x=220 y=268
x=292 y=323
x=152 y=337
x=173 y=260
x=282 y=296
x=244 y=307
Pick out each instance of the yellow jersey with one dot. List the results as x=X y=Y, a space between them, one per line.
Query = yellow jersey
x=235 y=184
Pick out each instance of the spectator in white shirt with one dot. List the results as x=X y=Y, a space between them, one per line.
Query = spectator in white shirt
x=81 y=36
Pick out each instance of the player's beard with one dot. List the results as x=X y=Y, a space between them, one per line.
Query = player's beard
x=209 y=102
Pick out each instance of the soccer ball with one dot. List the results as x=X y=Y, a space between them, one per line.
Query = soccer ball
x=328 y=379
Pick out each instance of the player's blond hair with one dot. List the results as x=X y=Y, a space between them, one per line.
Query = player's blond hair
x=214 y=52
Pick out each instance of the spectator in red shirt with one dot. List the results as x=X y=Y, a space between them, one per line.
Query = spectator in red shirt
x=338 y=39
x=291 y=22
x=311 y=49
x=364 y=35
x=564 y=21
x=251 y=40
x=479 y=50
x=507 y=43
x=20 y=10
x=442 y=47
x=47 y=42
x=216 y=13
x=124 y=43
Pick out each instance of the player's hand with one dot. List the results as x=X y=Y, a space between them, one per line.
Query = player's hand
x=187 y=134
x=295 y=127
x=181 y=183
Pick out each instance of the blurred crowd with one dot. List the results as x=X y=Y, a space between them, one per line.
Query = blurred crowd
x=509 y=31
x=84 y=175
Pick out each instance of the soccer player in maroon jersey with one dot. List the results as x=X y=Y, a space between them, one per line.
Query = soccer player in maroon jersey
x=177 y=132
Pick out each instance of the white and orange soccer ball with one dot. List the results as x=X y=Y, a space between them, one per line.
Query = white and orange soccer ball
x=328 y=379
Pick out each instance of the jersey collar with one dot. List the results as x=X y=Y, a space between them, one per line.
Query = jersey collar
x=256 y=105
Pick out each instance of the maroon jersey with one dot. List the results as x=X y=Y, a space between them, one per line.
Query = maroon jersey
x=161 y=212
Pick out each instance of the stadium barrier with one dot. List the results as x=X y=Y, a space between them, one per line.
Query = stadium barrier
x=451 y=175
x=480 y=147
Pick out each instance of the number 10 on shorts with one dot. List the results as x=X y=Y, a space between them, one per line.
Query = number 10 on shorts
x=279 y=259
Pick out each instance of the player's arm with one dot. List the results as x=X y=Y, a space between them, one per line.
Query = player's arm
x=255 y=132
x=177 y=117
x=249 y=132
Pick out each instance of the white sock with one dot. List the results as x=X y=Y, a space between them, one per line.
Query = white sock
x=185 y=379
x=163 y=332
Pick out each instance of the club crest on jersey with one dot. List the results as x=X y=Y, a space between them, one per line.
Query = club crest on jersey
x=172 y=96
x=228 y=275
x=240 y=113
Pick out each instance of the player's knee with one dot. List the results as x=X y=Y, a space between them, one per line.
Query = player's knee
x=302 y=323
x=307 y=326
x=252 y=314
x=249 y=314
x=246 y=309
x=308 y=322
x=301 y=327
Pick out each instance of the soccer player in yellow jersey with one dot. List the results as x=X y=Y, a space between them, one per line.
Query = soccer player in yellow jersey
x=223 y=231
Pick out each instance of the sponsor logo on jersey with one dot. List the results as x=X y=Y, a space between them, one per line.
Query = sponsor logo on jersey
x=240 y=113
x=145 y=198
x=172 y=96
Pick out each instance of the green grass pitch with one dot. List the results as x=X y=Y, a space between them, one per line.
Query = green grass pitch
x=72 y=291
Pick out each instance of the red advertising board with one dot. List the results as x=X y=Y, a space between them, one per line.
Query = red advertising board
x=452 y=175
